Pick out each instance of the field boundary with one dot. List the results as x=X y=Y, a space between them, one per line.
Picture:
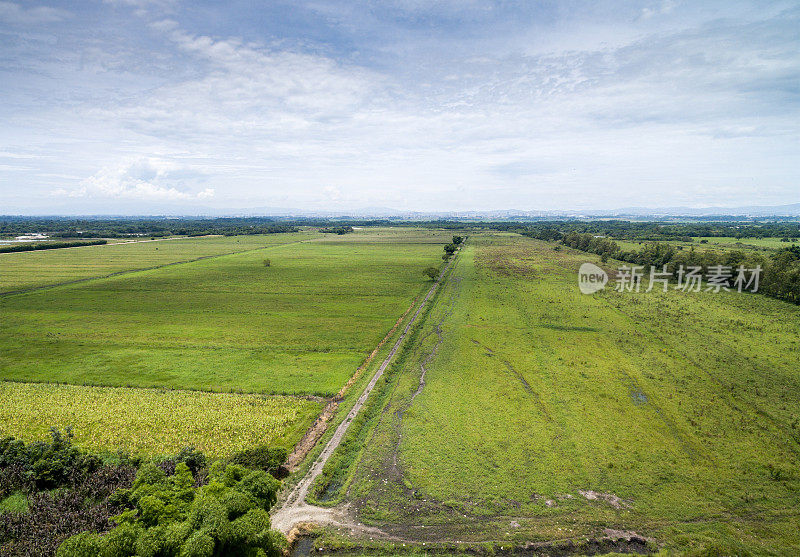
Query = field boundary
x=295 y=509
x=320 y=425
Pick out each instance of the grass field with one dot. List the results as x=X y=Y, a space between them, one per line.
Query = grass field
x=723 y=243
x=33 y=269
x=675 y=415
x=300 y=326
x=153 y=422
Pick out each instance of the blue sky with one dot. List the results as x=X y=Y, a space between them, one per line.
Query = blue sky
x=131 y=106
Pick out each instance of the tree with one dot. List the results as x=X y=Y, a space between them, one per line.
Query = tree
x=169 y=516
x=450 y=249
x=457 y=240
x=431 y=273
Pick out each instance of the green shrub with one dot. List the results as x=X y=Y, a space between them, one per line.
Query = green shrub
x=168 y=516
x=261 y=457
x=42 y=465
x=85 y=544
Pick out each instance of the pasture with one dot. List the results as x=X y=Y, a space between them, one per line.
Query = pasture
x=718 y=243
x=299 y=326
x=33 y=269
x=550 y=415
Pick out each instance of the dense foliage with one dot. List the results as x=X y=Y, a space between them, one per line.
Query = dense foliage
x=169 y=516
x=79 y=505
x=650 y=231
x=42 y=465
x=67 y=491
x=49 y=245
x=261 y=457
x=153 y=227
x=340 y=230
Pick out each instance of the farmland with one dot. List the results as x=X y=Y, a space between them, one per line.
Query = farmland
x=300 y=326
x=154 y=422
x=549 y=415
x=719 y=243
x=544 y=415
x=19 y=271
x=227 y=322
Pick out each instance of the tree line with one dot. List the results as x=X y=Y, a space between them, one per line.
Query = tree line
x=780 y=277
x=49 y=245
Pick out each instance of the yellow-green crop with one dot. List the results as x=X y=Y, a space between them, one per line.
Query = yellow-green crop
x=153 y=422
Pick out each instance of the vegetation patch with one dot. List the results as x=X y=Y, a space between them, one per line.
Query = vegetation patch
x=152 y=421
x=78 y=504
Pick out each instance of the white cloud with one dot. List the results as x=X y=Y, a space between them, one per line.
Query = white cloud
x=16 y=14
x=139 y=179
x=680 y=110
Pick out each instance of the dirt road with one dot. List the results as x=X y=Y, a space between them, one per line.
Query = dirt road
x=295 y=510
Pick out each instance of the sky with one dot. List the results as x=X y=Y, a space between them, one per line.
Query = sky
x=171 y=106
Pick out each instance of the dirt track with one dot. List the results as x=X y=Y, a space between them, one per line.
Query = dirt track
x=295 y=510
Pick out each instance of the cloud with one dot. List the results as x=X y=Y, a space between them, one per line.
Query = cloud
x=663 y=8
x=16 y=14
x=298 y=111
x=140 y=179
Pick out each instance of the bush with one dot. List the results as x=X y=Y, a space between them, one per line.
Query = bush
x=168 y=516
x=261 y=457
x=42 y=465
x=431 y=273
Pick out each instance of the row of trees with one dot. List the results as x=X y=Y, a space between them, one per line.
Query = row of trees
x=48 y=245
x=449 y=249
x=780 y=276
x=653 y=231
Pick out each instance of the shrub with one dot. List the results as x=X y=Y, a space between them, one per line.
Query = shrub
x=42 y=465
x=167 y=515
x=261 y=457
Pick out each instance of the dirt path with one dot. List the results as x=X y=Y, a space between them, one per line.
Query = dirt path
x=320 y=426
x=295 y=510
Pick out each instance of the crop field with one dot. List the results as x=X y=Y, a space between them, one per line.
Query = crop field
x=154 y=422
x=549 y=415
x=299 y=326
x=24 y=270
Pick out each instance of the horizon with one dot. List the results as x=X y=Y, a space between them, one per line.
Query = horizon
x=132 y=107
x=788 y=211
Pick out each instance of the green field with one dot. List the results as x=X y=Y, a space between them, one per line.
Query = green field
x=300 y=326
x=32 y=269
x=676 y=415
x=154 y=422
x=724 y=243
